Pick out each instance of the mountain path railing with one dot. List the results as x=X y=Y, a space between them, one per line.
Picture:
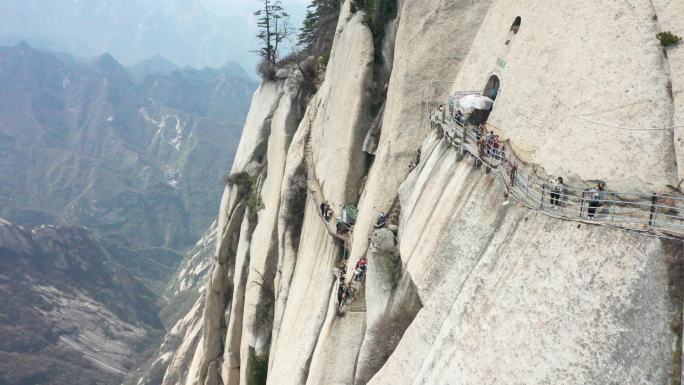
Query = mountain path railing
x=658 y=215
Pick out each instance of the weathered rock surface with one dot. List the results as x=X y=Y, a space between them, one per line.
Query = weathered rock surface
x=426 y=49
x=667 y=18
x=461 y=287
x=337 y=120
x=535 y=299
x=580 y=90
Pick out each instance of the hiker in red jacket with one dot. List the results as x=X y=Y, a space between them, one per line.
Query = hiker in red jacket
x=360 y=269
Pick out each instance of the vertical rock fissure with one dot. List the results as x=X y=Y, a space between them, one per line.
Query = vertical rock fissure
x=292 y=213
x=219 y=294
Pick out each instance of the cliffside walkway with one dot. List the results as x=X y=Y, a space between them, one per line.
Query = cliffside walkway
x=314 y=187
x=653 y=214
x=356 y=301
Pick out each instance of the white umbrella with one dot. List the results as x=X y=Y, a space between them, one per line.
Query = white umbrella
x=477 y=102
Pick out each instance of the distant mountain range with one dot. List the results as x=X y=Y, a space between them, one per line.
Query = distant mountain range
x=183 y=31
x=139 y=157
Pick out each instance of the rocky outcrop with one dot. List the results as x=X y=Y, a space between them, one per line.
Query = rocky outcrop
x=425 y=50
x=263 y=253
x=611 y=118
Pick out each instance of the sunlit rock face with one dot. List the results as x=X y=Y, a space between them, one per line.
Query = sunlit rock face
x=462 y=286
x=515 y=295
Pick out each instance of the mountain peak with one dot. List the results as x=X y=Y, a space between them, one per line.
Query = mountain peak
x=235 y=69
x=22 y=45
x=24 y=48
x=155 y=65
x=106 y=62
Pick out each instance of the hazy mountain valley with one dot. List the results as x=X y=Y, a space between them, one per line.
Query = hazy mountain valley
x=107 y=178
x=85 y=143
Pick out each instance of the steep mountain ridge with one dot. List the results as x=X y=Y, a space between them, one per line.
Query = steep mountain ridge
x=463 y=285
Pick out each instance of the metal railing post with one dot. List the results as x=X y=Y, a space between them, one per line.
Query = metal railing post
x=463 y=134
x=612 y=214
x=654 y=210
x=542 y=197
x=582 y=204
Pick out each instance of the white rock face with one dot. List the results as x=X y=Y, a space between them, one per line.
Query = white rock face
x=511 y=295
x=580 y=90
x=668 y=13
x=188 y=332
x=205 y=340
x=432 y=41
x=337 y=119
x=257 y=126
x=193 y=273
x=263 y=253
x=500 y=294
x=230 y=369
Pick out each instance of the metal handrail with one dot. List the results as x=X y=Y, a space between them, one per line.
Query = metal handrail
x=627 y=210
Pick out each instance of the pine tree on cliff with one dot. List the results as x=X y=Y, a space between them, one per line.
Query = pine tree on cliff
x=273 y=28
x=318 y=28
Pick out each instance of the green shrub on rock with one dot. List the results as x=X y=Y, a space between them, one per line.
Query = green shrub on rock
x=259 y=371
x=667 y=38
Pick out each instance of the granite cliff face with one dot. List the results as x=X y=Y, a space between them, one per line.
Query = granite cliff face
x=462 y=287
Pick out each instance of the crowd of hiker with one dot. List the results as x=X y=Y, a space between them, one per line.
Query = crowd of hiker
x=489 y=144
x=491 y=149
x=345 y=222
x=346 y=291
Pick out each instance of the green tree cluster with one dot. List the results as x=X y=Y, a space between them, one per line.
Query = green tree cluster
x=318 y=29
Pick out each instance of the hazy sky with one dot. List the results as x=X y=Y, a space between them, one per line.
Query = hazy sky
x=185 y=31
x=246 y=7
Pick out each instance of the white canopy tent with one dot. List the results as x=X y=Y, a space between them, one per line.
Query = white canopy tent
x=478 y=102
